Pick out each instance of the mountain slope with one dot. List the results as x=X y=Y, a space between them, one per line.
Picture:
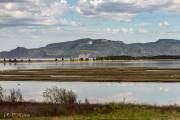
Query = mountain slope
x=97 y=47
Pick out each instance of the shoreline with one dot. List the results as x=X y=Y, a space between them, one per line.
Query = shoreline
x=74 y=60
x=105 y=74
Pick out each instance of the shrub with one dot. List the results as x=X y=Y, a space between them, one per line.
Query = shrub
x=1 y=93
x=81 y=59
x=59 y=96
x=15 y=96
x=86 y=101
x=87 y=59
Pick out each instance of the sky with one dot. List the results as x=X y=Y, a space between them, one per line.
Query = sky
x=36 y=23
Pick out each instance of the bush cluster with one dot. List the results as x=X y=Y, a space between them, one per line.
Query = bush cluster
x=51 y=95
x=14 y=95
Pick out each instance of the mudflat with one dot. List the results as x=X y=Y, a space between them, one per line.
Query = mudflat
x=134 y=74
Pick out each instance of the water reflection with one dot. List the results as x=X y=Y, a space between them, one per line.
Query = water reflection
x=140 y=63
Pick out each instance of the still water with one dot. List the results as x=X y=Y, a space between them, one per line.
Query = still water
x=142 y=93
x=139 y=63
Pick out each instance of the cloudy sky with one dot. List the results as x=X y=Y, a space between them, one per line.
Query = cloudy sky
x=35 y=23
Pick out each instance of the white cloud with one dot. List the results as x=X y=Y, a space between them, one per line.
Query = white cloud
x=110 y=31
x=53 y=21
x=34 y=12
x=175 y=6
x=144 y=24
x=9 y=6
x=92 y=8
x=142 y=30
x=56 y=8
x=127 y=30
x=164 y=24
x=124 y=10
x=117 y=30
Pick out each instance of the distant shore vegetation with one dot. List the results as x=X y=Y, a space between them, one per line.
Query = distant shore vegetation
x=124 y=57
x=138 y=57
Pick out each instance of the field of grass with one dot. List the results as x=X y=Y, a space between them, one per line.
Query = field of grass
x=95 y=74
x=120 y=112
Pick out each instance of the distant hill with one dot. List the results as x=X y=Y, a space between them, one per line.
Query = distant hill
x=97 y=47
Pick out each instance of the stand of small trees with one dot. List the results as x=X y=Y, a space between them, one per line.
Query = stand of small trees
x=59 y=96
x=13 y=96
x=52 y=95
x=83 y=59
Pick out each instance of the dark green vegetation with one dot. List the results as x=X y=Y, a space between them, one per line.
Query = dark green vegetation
x=160 y=57
x=163 y=57
x=97 y=47
x=95 y=74
x=59 y=96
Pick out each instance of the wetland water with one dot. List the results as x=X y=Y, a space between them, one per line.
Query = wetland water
x=96 y=92
x=137 y=63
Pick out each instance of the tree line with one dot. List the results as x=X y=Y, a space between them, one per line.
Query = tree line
x=137 y=58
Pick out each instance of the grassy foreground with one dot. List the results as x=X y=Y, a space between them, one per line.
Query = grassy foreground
x=118 y=112
x=95 y=74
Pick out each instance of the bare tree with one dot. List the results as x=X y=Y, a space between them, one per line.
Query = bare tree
x=59 y=96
